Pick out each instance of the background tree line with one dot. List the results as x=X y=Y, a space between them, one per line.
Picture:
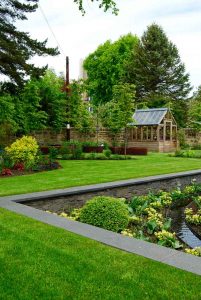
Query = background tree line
x=151 y=63
x=148 y=70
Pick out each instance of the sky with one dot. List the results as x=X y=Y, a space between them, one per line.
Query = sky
x=78 y=36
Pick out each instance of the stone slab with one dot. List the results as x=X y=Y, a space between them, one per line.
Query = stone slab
x=98 y=187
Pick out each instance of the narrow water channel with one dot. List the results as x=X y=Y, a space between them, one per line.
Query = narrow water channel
x=182 y=230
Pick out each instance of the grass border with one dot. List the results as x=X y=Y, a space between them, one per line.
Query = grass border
x=155 y=252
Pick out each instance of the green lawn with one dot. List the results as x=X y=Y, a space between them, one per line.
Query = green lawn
x=85 y=172
x=38 y=261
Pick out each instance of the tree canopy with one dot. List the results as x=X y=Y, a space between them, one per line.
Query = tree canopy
x=194 y=112
x=41 y=103
x=78 y=114
x=117 y=113
x=156 y=67
x=105 y=4
x=18 y=47
x=106 y=66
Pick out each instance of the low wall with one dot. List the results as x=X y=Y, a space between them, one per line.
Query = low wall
x=76 y=197
x=192 y=136
x=48 y=137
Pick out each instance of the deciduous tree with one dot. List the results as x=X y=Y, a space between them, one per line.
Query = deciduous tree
x=194 y=112
x=117 y=114
x=106 y=66
x=78 y=114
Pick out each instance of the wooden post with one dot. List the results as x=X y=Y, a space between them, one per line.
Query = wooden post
x=151 y=134
x=164 y=132
x=157 y=132
x=141 y=128
x=67 y=74
x=171 y=131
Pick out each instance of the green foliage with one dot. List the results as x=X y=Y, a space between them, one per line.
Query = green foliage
x=105 y=212
x=105 y=4
x=17 y=48
x=52 y=99
x=193 y=218
x=156 y=67
x=117 y=114
x=181 y=137
x=39 y=104
x=23 y=150
x=194 y=111
x=77 y=151
x=106 y=66
x=34 y=117
x=107 y=153
x=71 y=150
x=7 y=123
x=158 y=74
x=6 y=161
x=188 y=153
x=195 y=251
x=53 y=153
x=78 y=114
x=168 y=239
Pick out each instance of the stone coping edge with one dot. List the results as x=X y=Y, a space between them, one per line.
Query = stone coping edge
x=155 y=252
x=96 y=187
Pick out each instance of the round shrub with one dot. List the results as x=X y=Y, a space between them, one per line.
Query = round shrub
x=23 y=150
x=105 y=212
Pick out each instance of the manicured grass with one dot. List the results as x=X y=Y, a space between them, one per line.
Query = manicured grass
x=38 y=261
x=84 y=172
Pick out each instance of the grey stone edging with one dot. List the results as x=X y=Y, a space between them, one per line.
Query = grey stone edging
x=96 y=187
x=155 y=252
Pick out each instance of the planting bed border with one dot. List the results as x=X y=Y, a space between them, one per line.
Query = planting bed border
x=158 y=253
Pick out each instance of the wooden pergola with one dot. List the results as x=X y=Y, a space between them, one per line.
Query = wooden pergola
x=155 y=129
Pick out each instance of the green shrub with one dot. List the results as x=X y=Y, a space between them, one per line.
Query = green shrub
x=188 y=153
x=105 y=212
x=90 y=144
x=101 y=156
x=53 y=153
x=91 y=155
x=65 y=149
x=23 y=150
x=71 y=150
x=107 y=153
x=77 y=151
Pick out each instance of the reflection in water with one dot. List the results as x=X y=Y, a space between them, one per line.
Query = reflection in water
x=181 y=229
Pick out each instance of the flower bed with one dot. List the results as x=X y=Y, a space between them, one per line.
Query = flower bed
x=148 y=216
x=22 y=157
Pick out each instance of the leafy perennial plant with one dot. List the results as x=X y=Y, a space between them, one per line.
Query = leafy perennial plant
x=144 y=217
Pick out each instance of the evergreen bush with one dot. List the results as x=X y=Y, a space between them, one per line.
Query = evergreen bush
x=105 y=212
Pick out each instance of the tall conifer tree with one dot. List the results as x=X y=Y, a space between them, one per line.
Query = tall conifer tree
x=16 y=47
x=156 y=67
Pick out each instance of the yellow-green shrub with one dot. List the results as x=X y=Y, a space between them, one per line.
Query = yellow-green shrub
x=23 y=150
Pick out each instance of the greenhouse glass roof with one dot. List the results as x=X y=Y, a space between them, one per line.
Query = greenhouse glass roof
x=151 y=116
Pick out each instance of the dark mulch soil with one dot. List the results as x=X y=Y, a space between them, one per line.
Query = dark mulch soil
x=41 y=168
